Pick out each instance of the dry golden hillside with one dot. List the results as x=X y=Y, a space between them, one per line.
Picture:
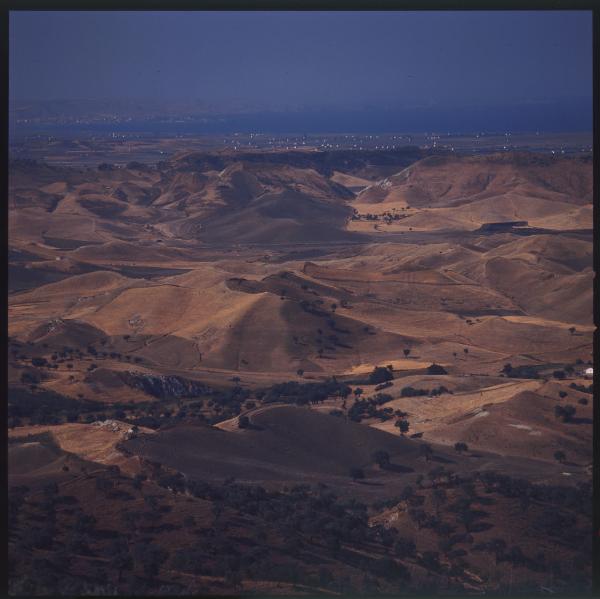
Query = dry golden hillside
x=358 y=370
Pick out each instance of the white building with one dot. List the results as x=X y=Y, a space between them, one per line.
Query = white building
x=589 y=373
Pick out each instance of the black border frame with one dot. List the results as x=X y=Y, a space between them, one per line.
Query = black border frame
x=307 y=5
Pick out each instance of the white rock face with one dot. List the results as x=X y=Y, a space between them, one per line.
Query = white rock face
x=113 y=425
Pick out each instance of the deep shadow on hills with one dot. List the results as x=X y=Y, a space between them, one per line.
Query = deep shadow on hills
x=287 y=216
x=21 y=278
x=287 y=444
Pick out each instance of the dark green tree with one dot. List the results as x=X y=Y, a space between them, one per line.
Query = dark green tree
x=560 y=456
x=460 y=447
x=382 y=458
x=403 y=425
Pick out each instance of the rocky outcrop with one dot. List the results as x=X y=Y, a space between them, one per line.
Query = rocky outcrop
x=165 y=386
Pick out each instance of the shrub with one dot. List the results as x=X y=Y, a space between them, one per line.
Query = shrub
x=566 y=413
x=29 y=378
x=460 y=447
x=582 y=388
x=412 y=392
x=382 y=398
x=521 y=372
x=382 y=458
x=403 y=425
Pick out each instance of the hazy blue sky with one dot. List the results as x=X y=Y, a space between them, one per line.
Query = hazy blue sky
x=278 y=59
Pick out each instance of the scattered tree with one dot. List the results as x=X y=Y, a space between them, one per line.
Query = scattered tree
x=460 y=447
x=436 y=369
x=403 y=425
x=566 y=413
x=382 y=458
